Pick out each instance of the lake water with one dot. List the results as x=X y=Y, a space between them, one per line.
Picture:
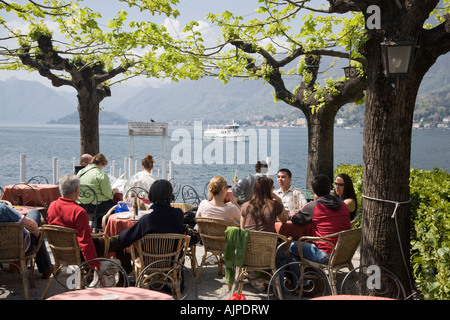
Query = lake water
x=202 y=159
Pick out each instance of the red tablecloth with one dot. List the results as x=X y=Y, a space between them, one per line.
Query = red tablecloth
x=350 y=297
x=289 y=229
x=115 y=224
x=46 y=193
x=127 y=293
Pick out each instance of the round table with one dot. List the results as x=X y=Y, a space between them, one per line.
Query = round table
x=116 y=224
x=46 y=193
x=123 y=293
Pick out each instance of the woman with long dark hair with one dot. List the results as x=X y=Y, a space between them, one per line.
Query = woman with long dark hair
x=343 y=189
x=263 y=209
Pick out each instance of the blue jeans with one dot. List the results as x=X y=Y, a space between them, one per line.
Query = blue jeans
x=310 y=251
x=42 y=258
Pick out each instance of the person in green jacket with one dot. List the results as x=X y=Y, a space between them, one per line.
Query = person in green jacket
x=93 y=176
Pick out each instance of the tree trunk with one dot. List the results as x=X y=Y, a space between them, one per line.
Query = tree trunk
x=88 y=111
x=386 y=151
x=320 y=143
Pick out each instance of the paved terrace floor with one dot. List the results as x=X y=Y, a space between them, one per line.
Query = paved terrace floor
x=210 y=286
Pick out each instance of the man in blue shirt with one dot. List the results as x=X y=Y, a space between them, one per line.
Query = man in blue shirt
x=33 y=220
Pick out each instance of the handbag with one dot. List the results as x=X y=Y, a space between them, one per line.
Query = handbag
x=194 y=234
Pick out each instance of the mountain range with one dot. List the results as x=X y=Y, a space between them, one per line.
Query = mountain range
x=208 y=99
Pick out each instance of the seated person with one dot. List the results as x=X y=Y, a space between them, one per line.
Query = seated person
x=327 y=215
x=67 y=213
x=33 y=220
x=162 y=219
x=261 y=213
x=293 y=199
x=343 y=188
x=85 y=159
x=263 y=209
x=143 y=179
x=93 y=176
x=219 y=207
x=243 y=190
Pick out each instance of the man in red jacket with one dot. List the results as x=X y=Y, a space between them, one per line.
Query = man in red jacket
x=67 y=213
x=327 y=215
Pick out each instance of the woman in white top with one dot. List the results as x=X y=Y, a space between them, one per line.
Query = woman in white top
x=220 y=205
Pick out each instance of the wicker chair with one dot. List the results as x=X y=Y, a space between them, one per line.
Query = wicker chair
x=169 y=247
x=212 y=232
x=64 y=245
x=183 y=206
x=6 y=202
x=106 y=217
x=12 y=250
x=260 y=256
x=192 y=250
x=341 y=257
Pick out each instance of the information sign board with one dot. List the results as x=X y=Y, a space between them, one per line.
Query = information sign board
x=147 y=128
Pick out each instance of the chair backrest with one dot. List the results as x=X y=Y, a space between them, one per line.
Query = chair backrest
x=161 y=246
x=63 y=244
x=136 y=192
x=107 y=215
x=11 y=242
x=261 y=250
x=183 y=206
x=189 y=195
x=6 y=202
x=346 y=245
x=23 y=194
x=38 y=180
x=88 y=196
x=212 y=232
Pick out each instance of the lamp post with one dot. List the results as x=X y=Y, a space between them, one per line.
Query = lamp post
x=397 y=56
x=350 y=72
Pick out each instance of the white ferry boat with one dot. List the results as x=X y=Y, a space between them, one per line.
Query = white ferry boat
x=225 y=132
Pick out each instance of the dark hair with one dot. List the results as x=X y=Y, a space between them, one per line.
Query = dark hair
x=161 y=192
x=288 y=172
x=262 y=195
x=259 y=165
x=321 y=185
x=349 y=190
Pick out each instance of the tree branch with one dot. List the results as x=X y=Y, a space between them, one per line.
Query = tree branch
x=116 y=71
x=44 y=71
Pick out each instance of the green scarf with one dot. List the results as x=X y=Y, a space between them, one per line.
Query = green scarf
x=234 y=251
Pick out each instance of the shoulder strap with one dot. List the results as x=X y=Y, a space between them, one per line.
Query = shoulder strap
x=86 y=172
